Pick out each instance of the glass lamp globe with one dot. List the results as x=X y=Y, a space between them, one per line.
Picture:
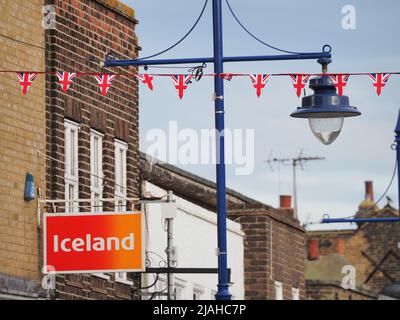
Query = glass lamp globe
x=325 y=110
x=326 y=130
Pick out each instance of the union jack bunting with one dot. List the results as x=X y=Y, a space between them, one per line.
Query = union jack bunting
x=379 y=81
x=25 y=80
x=226 y=76
x=299 y=82
x=104 y=82
x=340 y=81
x=259 y=82
x=181 y=83
x=65 y=79
x=146 y=79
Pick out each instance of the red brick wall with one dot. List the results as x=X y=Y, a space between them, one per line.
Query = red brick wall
x=273 y=251
x=90 y=29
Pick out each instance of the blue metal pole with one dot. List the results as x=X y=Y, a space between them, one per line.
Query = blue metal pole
x=223 y=286
x=218 y=59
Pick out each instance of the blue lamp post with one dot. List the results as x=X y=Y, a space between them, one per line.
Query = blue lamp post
x=330 y=104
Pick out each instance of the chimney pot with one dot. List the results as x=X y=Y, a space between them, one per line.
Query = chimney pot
x=313 y=249
x=340 y=246
x=285 y=202
x=369 y=191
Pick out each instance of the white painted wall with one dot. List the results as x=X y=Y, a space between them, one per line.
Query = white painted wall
x=195 y=235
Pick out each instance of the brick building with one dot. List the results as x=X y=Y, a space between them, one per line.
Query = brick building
x=274 y=241
x=372 y=249
x=22 y=132
x=76 y=145
x=90 y=136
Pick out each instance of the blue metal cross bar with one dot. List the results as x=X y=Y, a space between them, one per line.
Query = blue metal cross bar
x=218 y=60
x=347 y=220
x=145 y=62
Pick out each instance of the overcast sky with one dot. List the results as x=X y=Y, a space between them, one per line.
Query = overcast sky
x=361 y=152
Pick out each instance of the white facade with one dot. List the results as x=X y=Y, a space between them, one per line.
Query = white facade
x=195 y=236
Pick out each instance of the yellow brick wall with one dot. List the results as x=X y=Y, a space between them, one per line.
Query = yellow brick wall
x=22 y=133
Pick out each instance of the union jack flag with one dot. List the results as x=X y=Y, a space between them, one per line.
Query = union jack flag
x=25 y=80
x=299 y=82
x=379 y=81
x=146 y=79
x=65 y=79
x=340 y=81
x=259 y=82
x=226 y=76
x=181 y=83
x=104 y=82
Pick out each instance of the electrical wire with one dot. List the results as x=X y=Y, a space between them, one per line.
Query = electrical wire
x=381 y=197
x=23 y=42
x=386 y=191
x=252 y=35
x=182 y=39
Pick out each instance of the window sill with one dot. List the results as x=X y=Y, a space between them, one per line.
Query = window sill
x=124 y=281
x=101 y=275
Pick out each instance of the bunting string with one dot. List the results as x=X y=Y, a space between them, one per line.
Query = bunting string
x=182 y=81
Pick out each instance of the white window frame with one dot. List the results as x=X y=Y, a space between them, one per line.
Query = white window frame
x=295 y=293
x=278 y=290
x=71 y=167
x=121 y=148
x=96 y=160
x=120 y=174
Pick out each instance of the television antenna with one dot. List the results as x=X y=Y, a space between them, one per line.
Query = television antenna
x=295 y=162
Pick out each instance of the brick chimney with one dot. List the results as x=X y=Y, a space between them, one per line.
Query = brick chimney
x=285 y=204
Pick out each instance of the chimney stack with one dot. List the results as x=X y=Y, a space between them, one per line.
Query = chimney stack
x=285 y=205
x=368 y=203
x=369 y=191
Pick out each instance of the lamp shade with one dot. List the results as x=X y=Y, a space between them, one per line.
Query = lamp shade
x=325 y=109
x=325 y=102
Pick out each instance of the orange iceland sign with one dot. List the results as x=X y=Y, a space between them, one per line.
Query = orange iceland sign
x=85 y=243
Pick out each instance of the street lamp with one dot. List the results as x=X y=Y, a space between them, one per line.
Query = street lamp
x=325 y=102
x=325 y=109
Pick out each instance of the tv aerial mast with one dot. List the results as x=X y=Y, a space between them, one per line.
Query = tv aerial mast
x=295 y=162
